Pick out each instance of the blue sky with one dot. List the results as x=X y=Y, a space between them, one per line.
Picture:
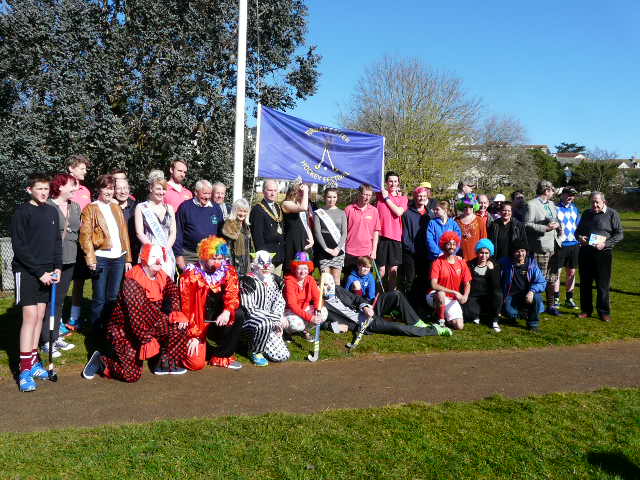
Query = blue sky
x=568 y=70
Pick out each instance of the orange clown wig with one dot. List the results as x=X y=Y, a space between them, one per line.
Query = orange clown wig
x=211 y=247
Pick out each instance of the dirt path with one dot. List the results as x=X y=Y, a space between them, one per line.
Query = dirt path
x=304 y=388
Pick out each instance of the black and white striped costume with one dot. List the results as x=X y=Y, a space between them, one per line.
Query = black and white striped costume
x=264 y=305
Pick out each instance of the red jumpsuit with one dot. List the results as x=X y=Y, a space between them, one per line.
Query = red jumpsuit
x=197 y=288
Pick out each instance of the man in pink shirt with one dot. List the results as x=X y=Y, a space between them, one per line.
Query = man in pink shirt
x=77 y=166
x=391 y=205
x=176 y=192
x=363 y=227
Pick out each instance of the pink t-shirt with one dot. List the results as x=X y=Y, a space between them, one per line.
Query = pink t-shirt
x=391 y=224
x=82 y=196
x=175 y=198
x=362 y=223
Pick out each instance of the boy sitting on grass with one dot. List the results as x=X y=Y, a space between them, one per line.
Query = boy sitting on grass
x=360 y=281
x=37 y=263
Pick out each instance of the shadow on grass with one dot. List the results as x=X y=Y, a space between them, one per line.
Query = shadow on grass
x=10 y=322
x=615 y=463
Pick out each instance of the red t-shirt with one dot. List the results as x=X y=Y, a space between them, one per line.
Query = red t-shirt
x=450 y=275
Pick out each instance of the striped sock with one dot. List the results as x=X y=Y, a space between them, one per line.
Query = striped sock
x=25 y=361
x=35 y=357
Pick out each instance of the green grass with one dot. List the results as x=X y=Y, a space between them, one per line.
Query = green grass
x=564 y=330
x=556 y=436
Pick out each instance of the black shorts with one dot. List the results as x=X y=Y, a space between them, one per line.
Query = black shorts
x=568 y=256
x=389 y=252
x=29 y=290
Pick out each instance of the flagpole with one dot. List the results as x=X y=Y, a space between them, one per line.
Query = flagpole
x=238 y=152
x=255 y=163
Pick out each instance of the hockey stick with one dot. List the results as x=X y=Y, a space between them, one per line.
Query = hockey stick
x=378 y=277
x=313 y=357
x=53 y=376
x=363 y=327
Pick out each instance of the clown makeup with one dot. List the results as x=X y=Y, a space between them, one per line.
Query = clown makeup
x=302 y=272
x=214 y=263
x=329 y=285
x=261 y=265
x=152 y=257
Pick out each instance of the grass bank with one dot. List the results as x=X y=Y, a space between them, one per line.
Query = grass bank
x=593 y=435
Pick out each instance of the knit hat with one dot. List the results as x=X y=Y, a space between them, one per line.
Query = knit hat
x=485 y=243
x=519 y=245
x=447 y=237
x=301 y=258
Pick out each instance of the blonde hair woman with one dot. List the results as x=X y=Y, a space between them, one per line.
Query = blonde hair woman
x=155 y=220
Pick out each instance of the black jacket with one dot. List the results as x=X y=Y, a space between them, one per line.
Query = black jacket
x=264 y=231
x=350 y=300
x=497 y=231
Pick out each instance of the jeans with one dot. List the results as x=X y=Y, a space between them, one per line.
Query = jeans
x=106 y=286
x=514 y=303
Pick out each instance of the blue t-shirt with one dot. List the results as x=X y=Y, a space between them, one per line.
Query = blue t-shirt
x=367 y=283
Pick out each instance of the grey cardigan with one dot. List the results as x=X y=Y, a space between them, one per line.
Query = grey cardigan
x=536 y=220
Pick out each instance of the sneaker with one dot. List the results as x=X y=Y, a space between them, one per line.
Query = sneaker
x=443 y=331
x=38 y=372
x=496 y=327
x=93 y=366
x=570 y=303
x=556 y=301
x=308 y=336
x=64 y=331
x=476 y=321
x=421 y=324
x=235 y=365
x=259 y=360
x=533 y=328
x=169 y=371
x=441 y=322
x=553 y=311
x=26 y=383
x=60 y=344
x=54 y=354
x=73 y=325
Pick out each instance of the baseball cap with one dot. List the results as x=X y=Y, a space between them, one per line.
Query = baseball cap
x=425 y=185
x=570 y=191
x=499 y=198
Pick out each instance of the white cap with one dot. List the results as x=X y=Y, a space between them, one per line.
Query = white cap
x=499 y=198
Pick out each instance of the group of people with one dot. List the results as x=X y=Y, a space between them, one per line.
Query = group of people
x=245 y=272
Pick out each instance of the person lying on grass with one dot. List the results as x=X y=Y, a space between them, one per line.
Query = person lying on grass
x=210 y=292
x=146 y=324
x=449 y=276
x=263 y=303
x=302 y=296
x=346 y=311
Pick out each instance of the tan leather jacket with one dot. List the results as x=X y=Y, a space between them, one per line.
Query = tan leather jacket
x=94 y=233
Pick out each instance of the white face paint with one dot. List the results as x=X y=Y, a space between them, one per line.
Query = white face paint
x=329 y=285
x=155 y=261
x=261 y=265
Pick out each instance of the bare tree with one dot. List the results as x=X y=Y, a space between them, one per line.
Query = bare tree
x=424 y=115
x=500 y=157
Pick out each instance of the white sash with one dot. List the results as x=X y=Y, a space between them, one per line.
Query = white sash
x=160 y=235
x=330 y=224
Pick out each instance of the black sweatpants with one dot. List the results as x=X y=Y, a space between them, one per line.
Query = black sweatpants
x=488 y=304
x=390 y=301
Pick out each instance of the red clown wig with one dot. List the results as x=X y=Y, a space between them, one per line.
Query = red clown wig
x=447 y=237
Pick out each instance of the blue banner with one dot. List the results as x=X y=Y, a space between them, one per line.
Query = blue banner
x=289 y=147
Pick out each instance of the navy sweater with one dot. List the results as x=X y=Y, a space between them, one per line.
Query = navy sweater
x=35 y=238
x=193 y=223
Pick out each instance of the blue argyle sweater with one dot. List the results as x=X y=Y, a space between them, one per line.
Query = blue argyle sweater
x=568 y=216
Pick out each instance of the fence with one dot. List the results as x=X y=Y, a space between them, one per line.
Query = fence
x=6 y=256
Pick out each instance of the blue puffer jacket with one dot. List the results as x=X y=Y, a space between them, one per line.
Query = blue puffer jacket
x=537 y=282
x=435 y=230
